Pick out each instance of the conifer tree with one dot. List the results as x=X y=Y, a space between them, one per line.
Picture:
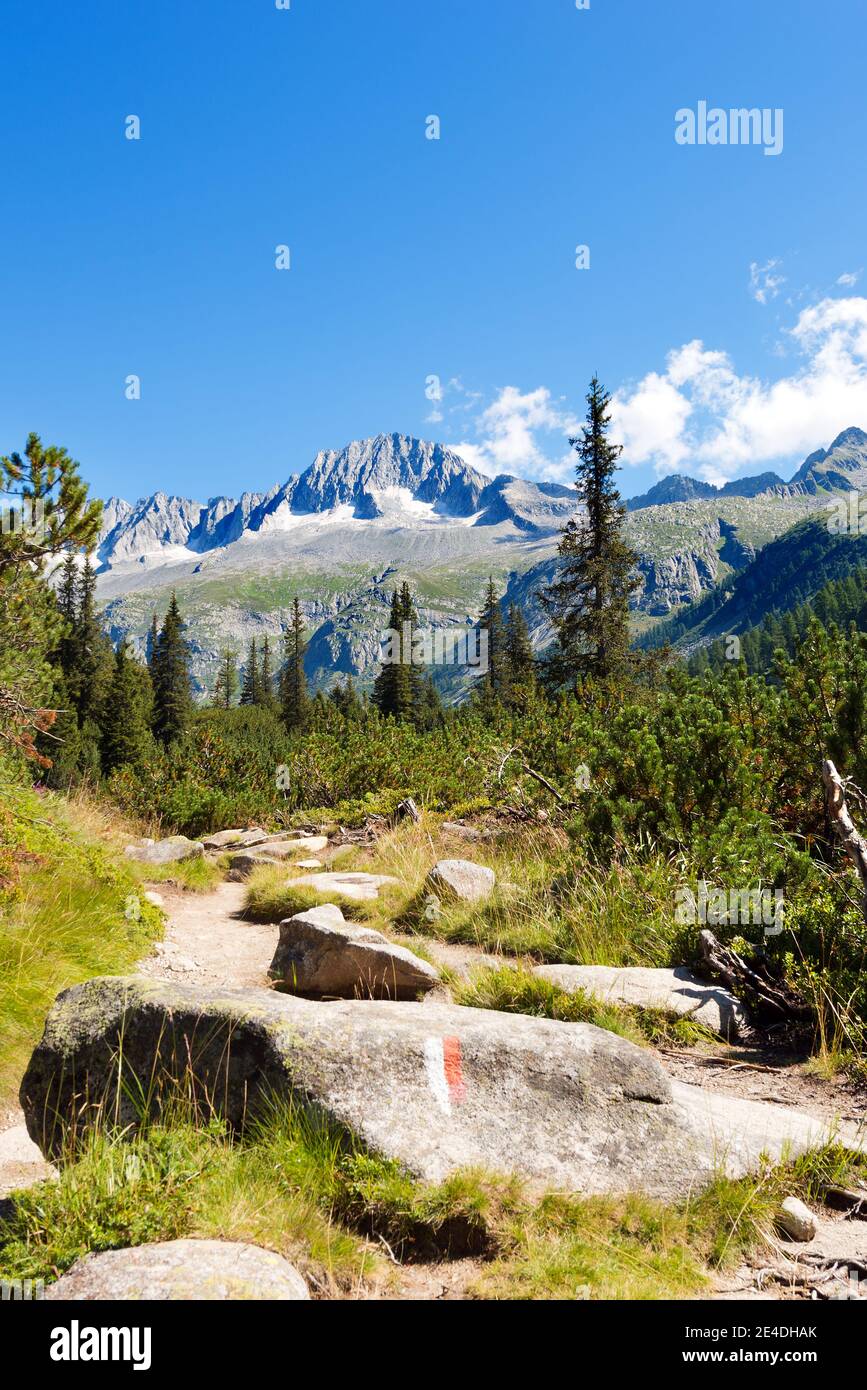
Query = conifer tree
x=89 y=644
x=491 y=623
x=520 y=658
x=151 y=648
x=250 y=684
x=226 y=685
x=67 y=602
x=588 y=600
x=428 y=708
x=55 y=508
x=170 y=672
x=294 y=695
x=345 y=698
x=265 y=695
x=124 y=726
x=395 y=687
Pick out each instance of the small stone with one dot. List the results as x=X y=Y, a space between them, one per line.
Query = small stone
x=462 y=832
x=796 y=1220
x=242 y=864
x=308 y=864
x=155 y=899
x=678 y=991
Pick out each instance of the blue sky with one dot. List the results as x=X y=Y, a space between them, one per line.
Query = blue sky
x=713 y=306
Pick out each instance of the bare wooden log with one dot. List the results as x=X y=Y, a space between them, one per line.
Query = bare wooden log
x=838 y=813
x=765 y=997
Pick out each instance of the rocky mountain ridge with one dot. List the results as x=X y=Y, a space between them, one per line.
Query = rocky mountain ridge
x=363 y=518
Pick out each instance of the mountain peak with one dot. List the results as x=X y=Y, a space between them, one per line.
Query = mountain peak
x=833 y=467
x=355 y=474
x=852 y=438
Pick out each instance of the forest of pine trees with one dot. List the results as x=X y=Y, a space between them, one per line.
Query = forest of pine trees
x=838 y=604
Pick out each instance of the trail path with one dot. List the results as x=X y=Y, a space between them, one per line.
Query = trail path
x=207 y=942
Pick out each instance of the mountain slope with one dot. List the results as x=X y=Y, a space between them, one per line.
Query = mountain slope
x=789 y=571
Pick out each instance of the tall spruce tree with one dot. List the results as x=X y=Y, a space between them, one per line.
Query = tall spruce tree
x=89 y=644
x=151 y=647
x=59 y=520
x=294 y=695
x=170 y=672
x=250 y=685
x=266 y=697
x=495 y=679
x=397 y=686
x=588 y=600
x=226 y=685
x=428 y=709
x=67 y=602
x=520 y=658
x=123 y=722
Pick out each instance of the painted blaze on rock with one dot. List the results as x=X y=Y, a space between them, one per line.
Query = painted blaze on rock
x=435 y=1087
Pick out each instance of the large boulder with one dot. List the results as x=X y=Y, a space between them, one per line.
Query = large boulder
x=434 y=1086
x=678 y=991
x=214 y=1270
x=319 y=953
x=169 y=851
x=459 y=880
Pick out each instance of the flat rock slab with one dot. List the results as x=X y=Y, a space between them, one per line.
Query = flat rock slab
x=435 y=1086
x=308 y=864
x=461 y=832
x=677 y=990
x=320 y=954
x=359 y=887
x=236 y=839
x=168 y=851
x=459 y=880
x=284 y=849
x=190 y=1270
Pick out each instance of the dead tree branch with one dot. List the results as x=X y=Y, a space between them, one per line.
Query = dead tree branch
x=838 y=812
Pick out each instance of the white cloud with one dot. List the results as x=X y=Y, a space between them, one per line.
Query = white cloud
x=765 y=282
x=850 y=278
x=518 y=433
x=701 y=411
